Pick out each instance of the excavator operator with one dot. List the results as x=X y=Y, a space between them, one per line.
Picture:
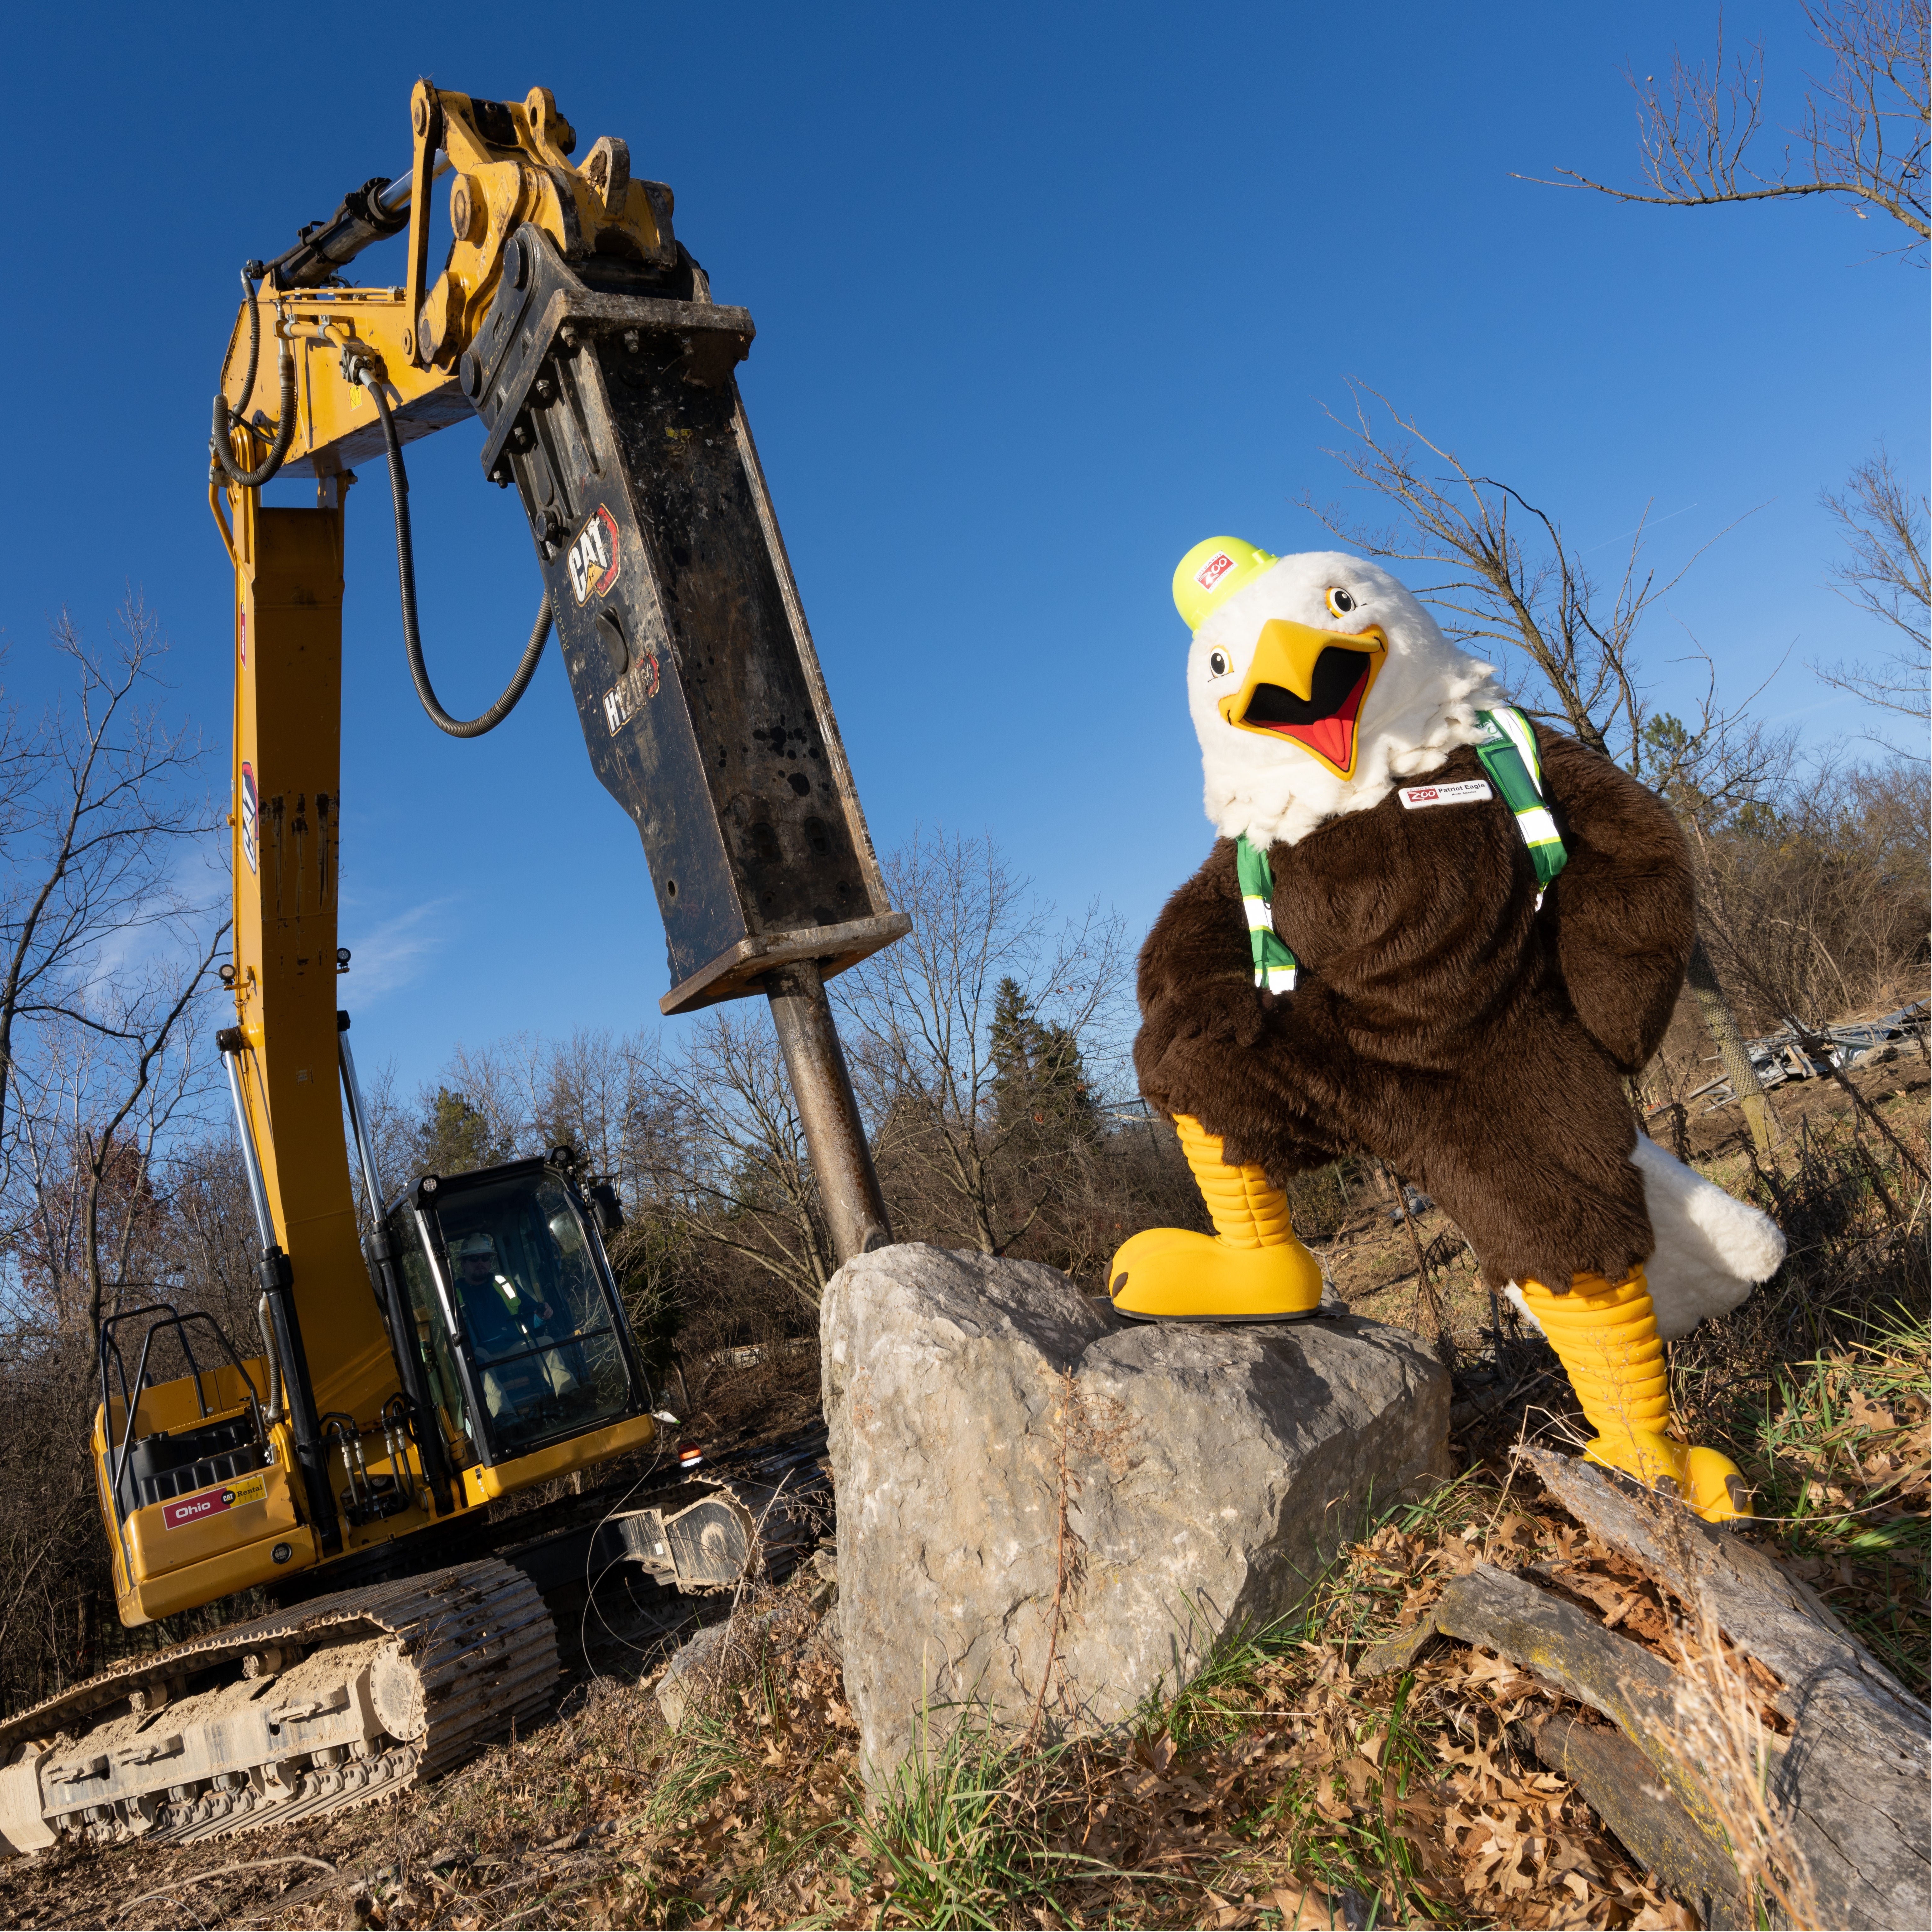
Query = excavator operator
x=523 y=1378
x=534 y=1357
x=502 y=1321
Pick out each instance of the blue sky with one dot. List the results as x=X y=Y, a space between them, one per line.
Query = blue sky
x=1044 y=294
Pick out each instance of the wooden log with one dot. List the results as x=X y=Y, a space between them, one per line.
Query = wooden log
x=1850 y=1785
x=1763 y=1610
x=1574 y=1655
x=1854 y=1779
x=1618 y=1784
x=1399 y=1651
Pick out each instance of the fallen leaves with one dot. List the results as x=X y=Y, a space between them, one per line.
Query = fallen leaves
x=1289 y=1792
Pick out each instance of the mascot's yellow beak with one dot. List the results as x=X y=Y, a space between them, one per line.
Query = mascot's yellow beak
x=1309 y=686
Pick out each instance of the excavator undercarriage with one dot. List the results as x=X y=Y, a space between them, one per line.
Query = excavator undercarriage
x=345 y=1699
x=337 y=1699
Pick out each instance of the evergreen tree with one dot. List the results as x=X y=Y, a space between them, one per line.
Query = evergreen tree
x=1015 y=1041
x=1040 y=1082
x=454 y=1136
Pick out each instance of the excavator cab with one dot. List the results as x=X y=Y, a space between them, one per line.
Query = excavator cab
x=511 y=1362
x=517 y=1315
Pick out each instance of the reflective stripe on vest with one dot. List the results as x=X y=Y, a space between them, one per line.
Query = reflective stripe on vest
x=1508 y=749
x=1274 y=964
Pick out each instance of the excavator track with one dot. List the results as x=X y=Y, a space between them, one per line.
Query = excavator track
x=334 y=1703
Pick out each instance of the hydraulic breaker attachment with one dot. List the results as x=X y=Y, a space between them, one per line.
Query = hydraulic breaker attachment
x=614 y=411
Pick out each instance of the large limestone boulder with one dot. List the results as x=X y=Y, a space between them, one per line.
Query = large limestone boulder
x=1031 y=1489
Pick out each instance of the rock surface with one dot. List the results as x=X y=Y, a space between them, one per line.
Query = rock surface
x=730 y=1652
x=683 y=1682
x=1030 y=1488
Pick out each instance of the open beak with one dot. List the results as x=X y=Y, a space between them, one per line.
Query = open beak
x=1308 y=686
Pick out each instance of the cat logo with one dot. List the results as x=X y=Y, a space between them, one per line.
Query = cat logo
x=250 y=813
x=594 y=556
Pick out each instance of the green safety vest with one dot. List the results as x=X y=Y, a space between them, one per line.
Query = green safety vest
x=1507 y=750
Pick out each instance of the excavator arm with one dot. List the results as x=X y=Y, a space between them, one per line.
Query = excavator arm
x=568 y=317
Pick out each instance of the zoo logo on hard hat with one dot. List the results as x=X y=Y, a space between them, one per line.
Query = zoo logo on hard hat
x=594 y=557
x=1217 y=567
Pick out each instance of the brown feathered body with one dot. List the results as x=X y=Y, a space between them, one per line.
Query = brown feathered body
x=1442 y=1021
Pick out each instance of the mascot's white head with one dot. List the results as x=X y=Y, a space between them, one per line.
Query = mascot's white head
x=1316 y=683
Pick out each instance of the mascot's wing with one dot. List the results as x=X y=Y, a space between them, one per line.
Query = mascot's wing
x=1624 y=904
x=1213 y=1045
x=1196 y=986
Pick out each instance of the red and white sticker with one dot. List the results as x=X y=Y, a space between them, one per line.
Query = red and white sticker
x=594 y=557
x=1470 y=791
x=1211 y=572
x=205 y=1503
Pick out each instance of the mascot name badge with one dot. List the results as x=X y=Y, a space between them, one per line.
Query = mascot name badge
x=1345 y=741
x=1415 y=797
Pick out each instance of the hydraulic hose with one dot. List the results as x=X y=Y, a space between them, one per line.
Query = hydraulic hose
x=254 y=333
x=406 y=574
x=225 y=418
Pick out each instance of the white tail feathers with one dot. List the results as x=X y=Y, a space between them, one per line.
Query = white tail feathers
x=1712 y=1249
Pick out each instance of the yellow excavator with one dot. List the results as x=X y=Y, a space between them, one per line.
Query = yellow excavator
x=465 y=1339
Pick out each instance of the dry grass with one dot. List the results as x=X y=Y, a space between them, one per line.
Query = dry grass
x=1724 y=1751
x=1278 y=1789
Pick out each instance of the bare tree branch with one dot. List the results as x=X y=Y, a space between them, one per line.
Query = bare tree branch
x=723 y=1145
x=1884 y=521
x=1864 y=135
x=93 y=811
x=102 y=1147
x=1568 y=639
x=922 y=1012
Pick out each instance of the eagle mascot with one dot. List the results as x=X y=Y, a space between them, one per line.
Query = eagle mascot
x=1434 y=931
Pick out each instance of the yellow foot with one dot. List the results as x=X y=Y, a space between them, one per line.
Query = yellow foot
x=1712 y=1485
x=1171 y=1274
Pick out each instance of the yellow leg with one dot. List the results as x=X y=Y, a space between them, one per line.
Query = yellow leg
x=1247 y=1211
x=1253 y=1269
x=1606 y=1337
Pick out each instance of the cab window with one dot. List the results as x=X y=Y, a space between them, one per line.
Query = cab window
x=541 y=1334
x=445 y=1385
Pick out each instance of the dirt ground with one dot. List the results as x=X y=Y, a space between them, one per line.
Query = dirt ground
x=512 y=1838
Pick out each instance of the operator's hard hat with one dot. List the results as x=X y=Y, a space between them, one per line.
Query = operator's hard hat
x=1211 y=572
x=474 y=1244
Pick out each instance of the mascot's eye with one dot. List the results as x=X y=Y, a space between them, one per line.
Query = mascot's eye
x=1217 y=663
x=1340 y=603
